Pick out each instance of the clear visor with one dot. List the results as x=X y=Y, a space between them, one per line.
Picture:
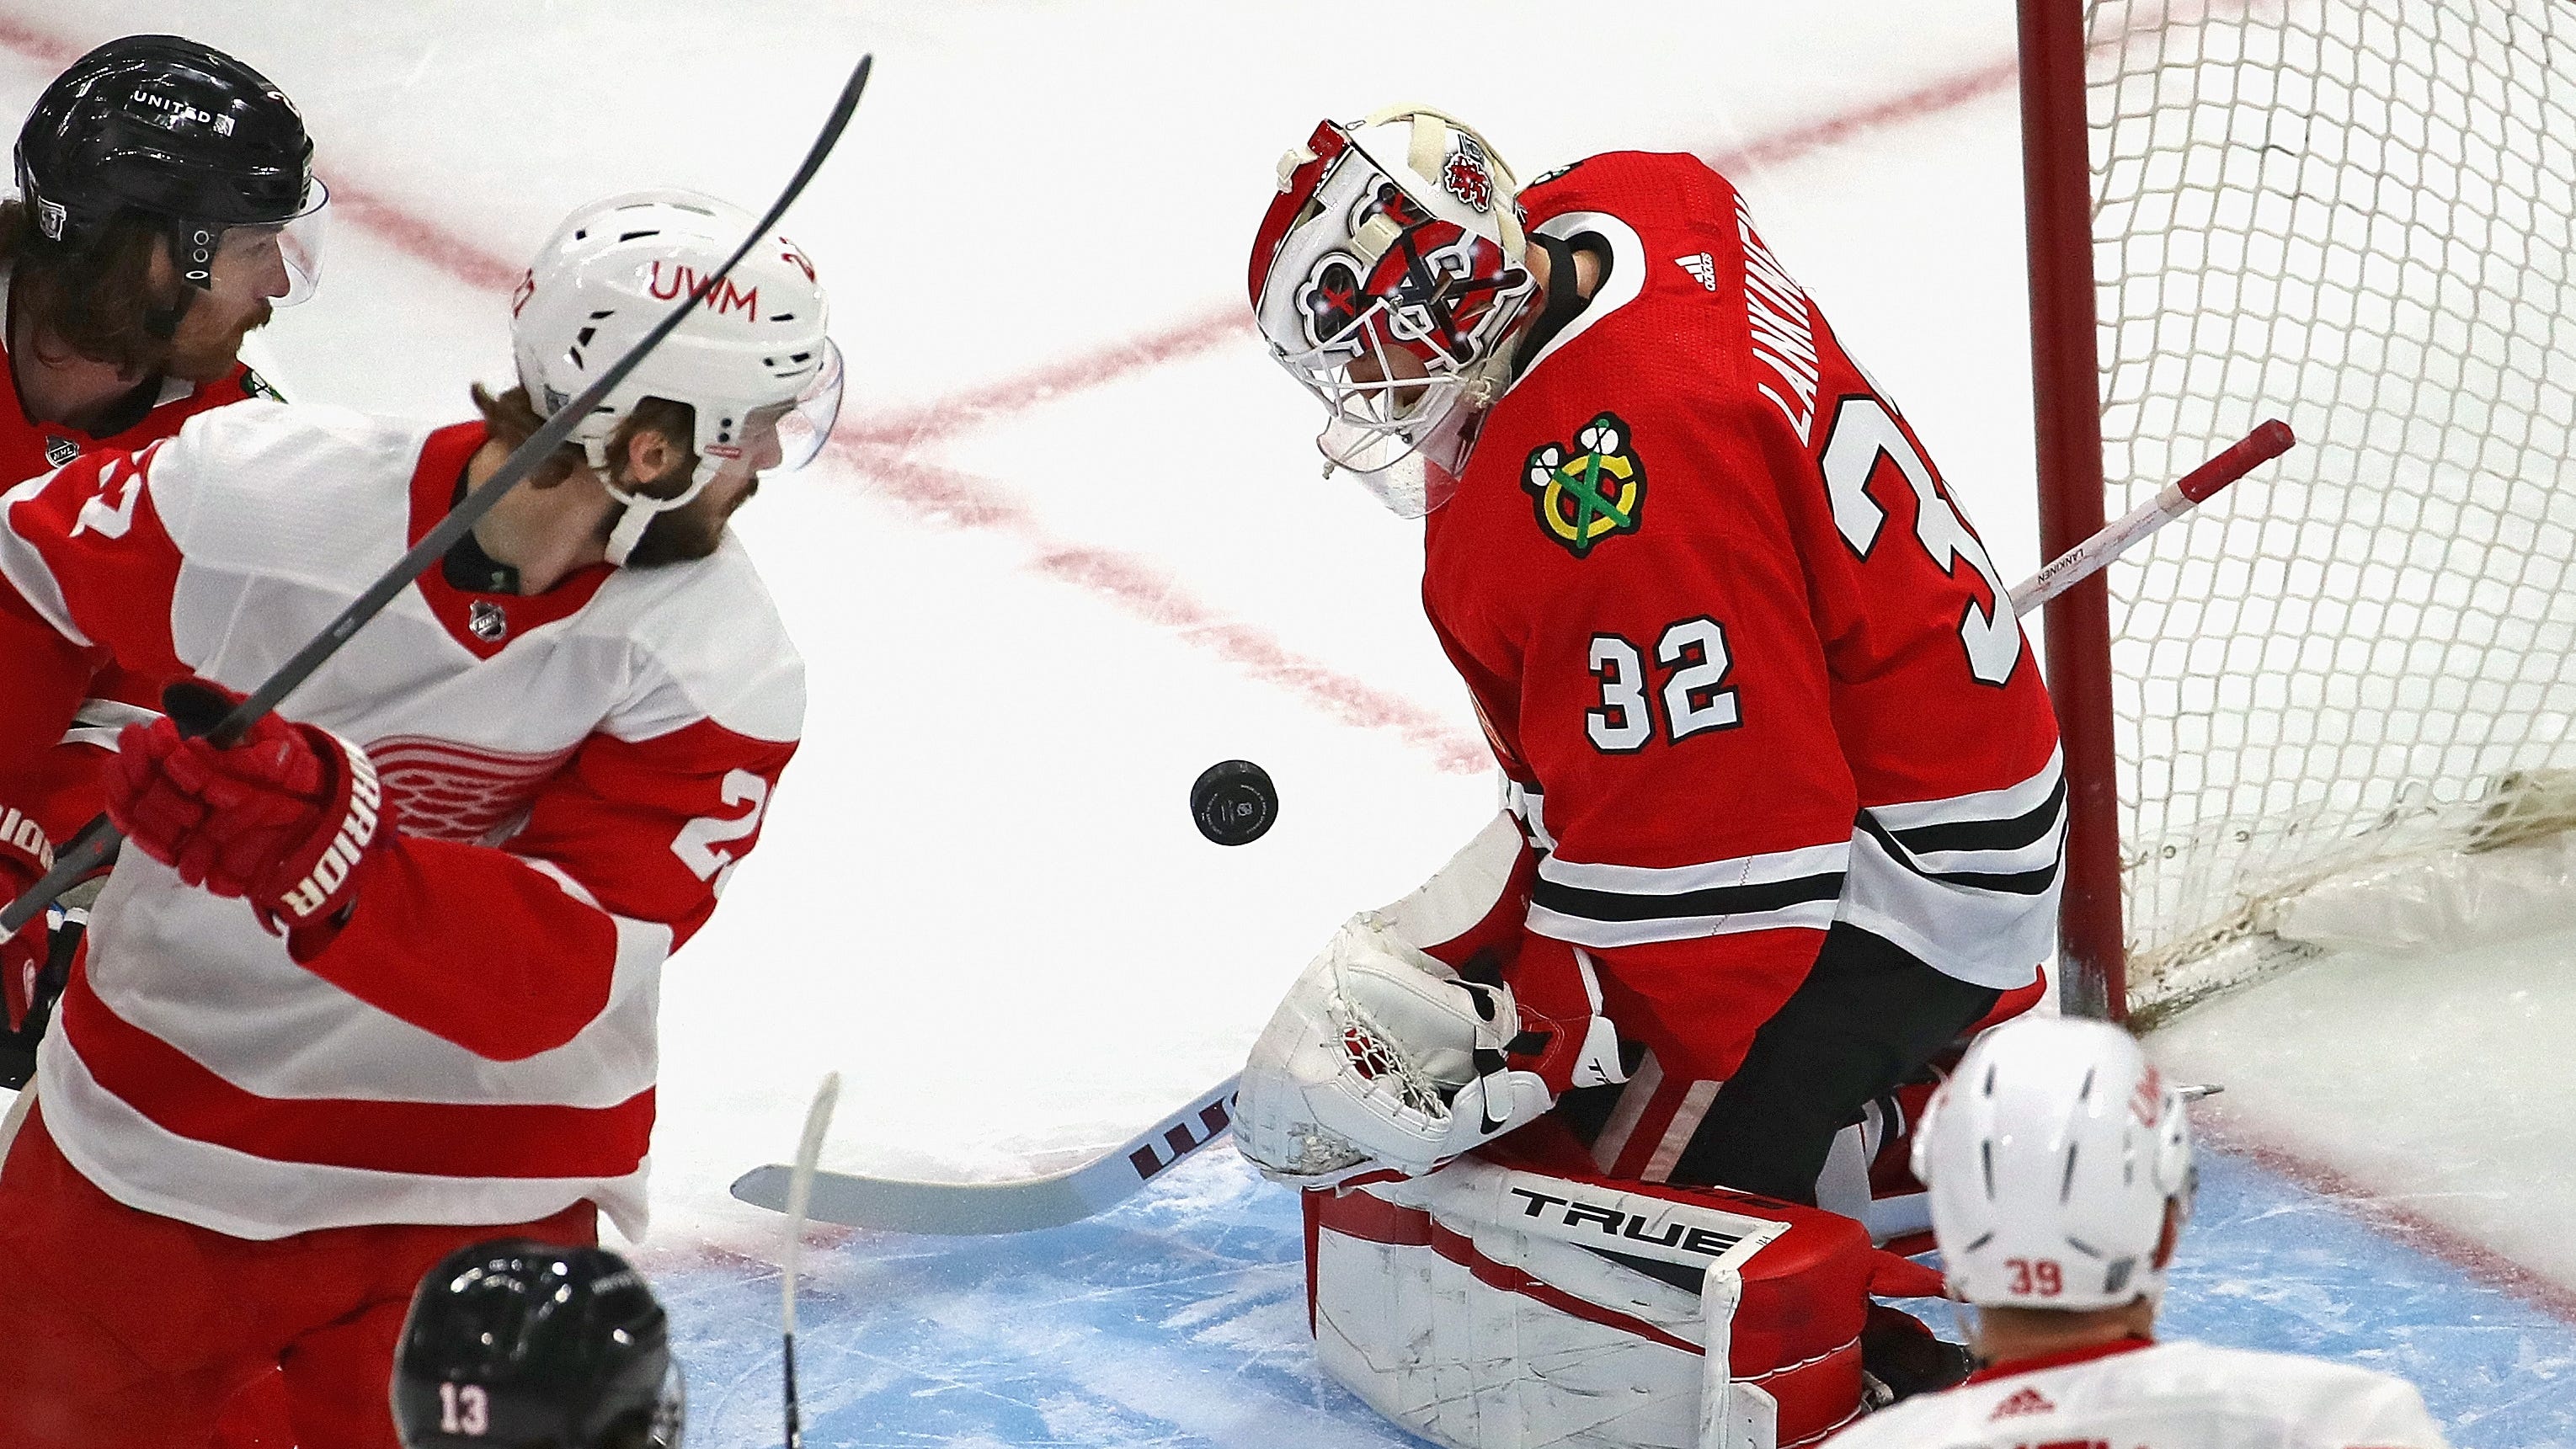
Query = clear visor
x=800 y=428
x=1410 y=487
x=280 y=262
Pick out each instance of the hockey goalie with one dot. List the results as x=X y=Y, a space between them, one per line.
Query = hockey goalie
x=1599 y=1125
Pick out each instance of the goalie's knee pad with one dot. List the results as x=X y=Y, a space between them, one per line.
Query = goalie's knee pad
x=1499 y=1306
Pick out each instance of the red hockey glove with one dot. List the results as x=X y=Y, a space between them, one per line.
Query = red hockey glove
x=285 y=819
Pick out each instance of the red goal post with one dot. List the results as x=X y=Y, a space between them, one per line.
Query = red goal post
x=2356 y=215
x=2057 y=180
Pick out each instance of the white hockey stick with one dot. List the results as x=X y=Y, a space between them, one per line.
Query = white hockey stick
x=1017 y=1205
x=2175 y=499
x=800 y=1186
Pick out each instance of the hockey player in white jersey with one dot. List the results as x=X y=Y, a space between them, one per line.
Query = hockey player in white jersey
x=380 y=979
x=2059 y=1164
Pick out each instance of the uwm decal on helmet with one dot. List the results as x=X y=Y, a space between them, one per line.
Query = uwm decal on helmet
x=1590 y=491
x=723 y=297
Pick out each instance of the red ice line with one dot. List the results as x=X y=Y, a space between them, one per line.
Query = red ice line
x=2417 y=1231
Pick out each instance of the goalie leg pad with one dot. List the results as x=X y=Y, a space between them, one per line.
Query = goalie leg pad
x=1489 y=1306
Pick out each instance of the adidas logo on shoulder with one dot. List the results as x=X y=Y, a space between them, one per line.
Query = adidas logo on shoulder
x=1702 y=267
x=2022 y=1401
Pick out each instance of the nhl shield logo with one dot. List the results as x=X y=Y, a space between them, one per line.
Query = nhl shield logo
x=1591 y=490
x=488 y=621
x=60 y=450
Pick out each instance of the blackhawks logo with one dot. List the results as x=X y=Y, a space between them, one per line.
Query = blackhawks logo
x=1588 y=492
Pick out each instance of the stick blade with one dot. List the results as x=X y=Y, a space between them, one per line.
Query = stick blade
x=978 y=1209
x=936 y=1209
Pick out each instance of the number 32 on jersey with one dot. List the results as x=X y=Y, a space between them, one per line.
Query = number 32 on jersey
x=1695 y=695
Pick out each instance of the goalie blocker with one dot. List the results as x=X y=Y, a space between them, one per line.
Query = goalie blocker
x=1517 y=1298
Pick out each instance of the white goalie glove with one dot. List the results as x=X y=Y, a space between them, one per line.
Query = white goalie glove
x=1380 y=1058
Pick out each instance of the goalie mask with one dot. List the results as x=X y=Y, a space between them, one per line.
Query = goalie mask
x=752 y=360
x=2050 y=1156
x=1387 y=278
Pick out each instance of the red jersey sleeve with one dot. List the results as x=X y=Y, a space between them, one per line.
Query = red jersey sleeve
x=87 y=572
x=510 y=951
x=88 y=549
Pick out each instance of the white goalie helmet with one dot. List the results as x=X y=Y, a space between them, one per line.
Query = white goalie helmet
x=2050 y=1155
x=1387 y=277
x=753 y=360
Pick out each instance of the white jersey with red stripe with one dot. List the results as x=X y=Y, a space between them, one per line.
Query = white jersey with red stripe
x=2137 y=1394
x=575 y=773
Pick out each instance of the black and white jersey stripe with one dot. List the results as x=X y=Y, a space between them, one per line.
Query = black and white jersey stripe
x=1602 y=906
x=1999 y=840
x=1969 y=883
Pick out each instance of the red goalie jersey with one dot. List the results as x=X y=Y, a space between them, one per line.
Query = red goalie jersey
x=575 y=773
x=1746 y=662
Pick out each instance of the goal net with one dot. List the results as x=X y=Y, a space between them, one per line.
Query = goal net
x=2359 y=215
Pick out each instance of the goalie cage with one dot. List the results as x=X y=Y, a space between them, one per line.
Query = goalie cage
x=2335 y=707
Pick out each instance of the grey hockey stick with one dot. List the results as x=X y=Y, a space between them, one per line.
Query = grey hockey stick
x=800 y=1182
x=1018 y=1205
x=84 y=851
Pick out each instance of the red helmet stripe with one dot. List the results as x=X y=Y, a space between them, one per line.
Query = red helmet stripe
x=1328 y=142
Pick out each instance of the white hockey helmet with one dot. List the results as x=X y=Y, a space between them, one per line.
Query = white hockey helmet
x=2050 y=1155
x=1387 y=277
x=753 y=358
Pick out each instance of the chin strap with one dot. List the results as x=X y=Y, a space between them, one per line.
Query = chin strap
x=639 y=510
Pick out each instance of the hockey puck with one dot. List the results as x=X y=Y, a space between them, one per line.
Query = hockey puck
x=1233 y=802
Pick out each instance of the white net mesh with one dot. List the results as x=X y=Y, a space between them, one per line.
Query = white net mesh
x=2355 y=214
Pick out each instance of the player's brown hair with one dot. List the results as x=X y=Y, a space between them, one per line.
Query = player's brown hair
x=94 y=298
x=512 y=419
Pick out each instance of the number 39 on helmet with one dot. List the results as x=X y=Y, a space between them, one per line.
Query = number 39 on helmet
x=2051 y=1156
x=1386 y=277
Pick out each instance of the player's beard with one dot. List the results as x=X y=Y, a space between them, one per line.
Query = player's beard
x=686 y=533
x=207 y=357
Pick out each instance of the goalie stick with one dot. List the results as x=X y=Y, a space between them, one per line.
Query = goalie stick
x=1017 y=1205
x=1024 y=1204
x=2266 y=442
x=86 y=850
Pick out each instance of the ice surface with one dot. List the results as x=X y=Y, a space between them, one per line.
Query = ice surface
x=1179 y=1320
x=2437 y=1083
x=1071 y=548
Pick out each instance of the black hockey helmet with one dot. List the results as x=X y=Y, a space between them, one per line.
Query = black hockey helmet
x=172 y=128
x=513 y=1344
